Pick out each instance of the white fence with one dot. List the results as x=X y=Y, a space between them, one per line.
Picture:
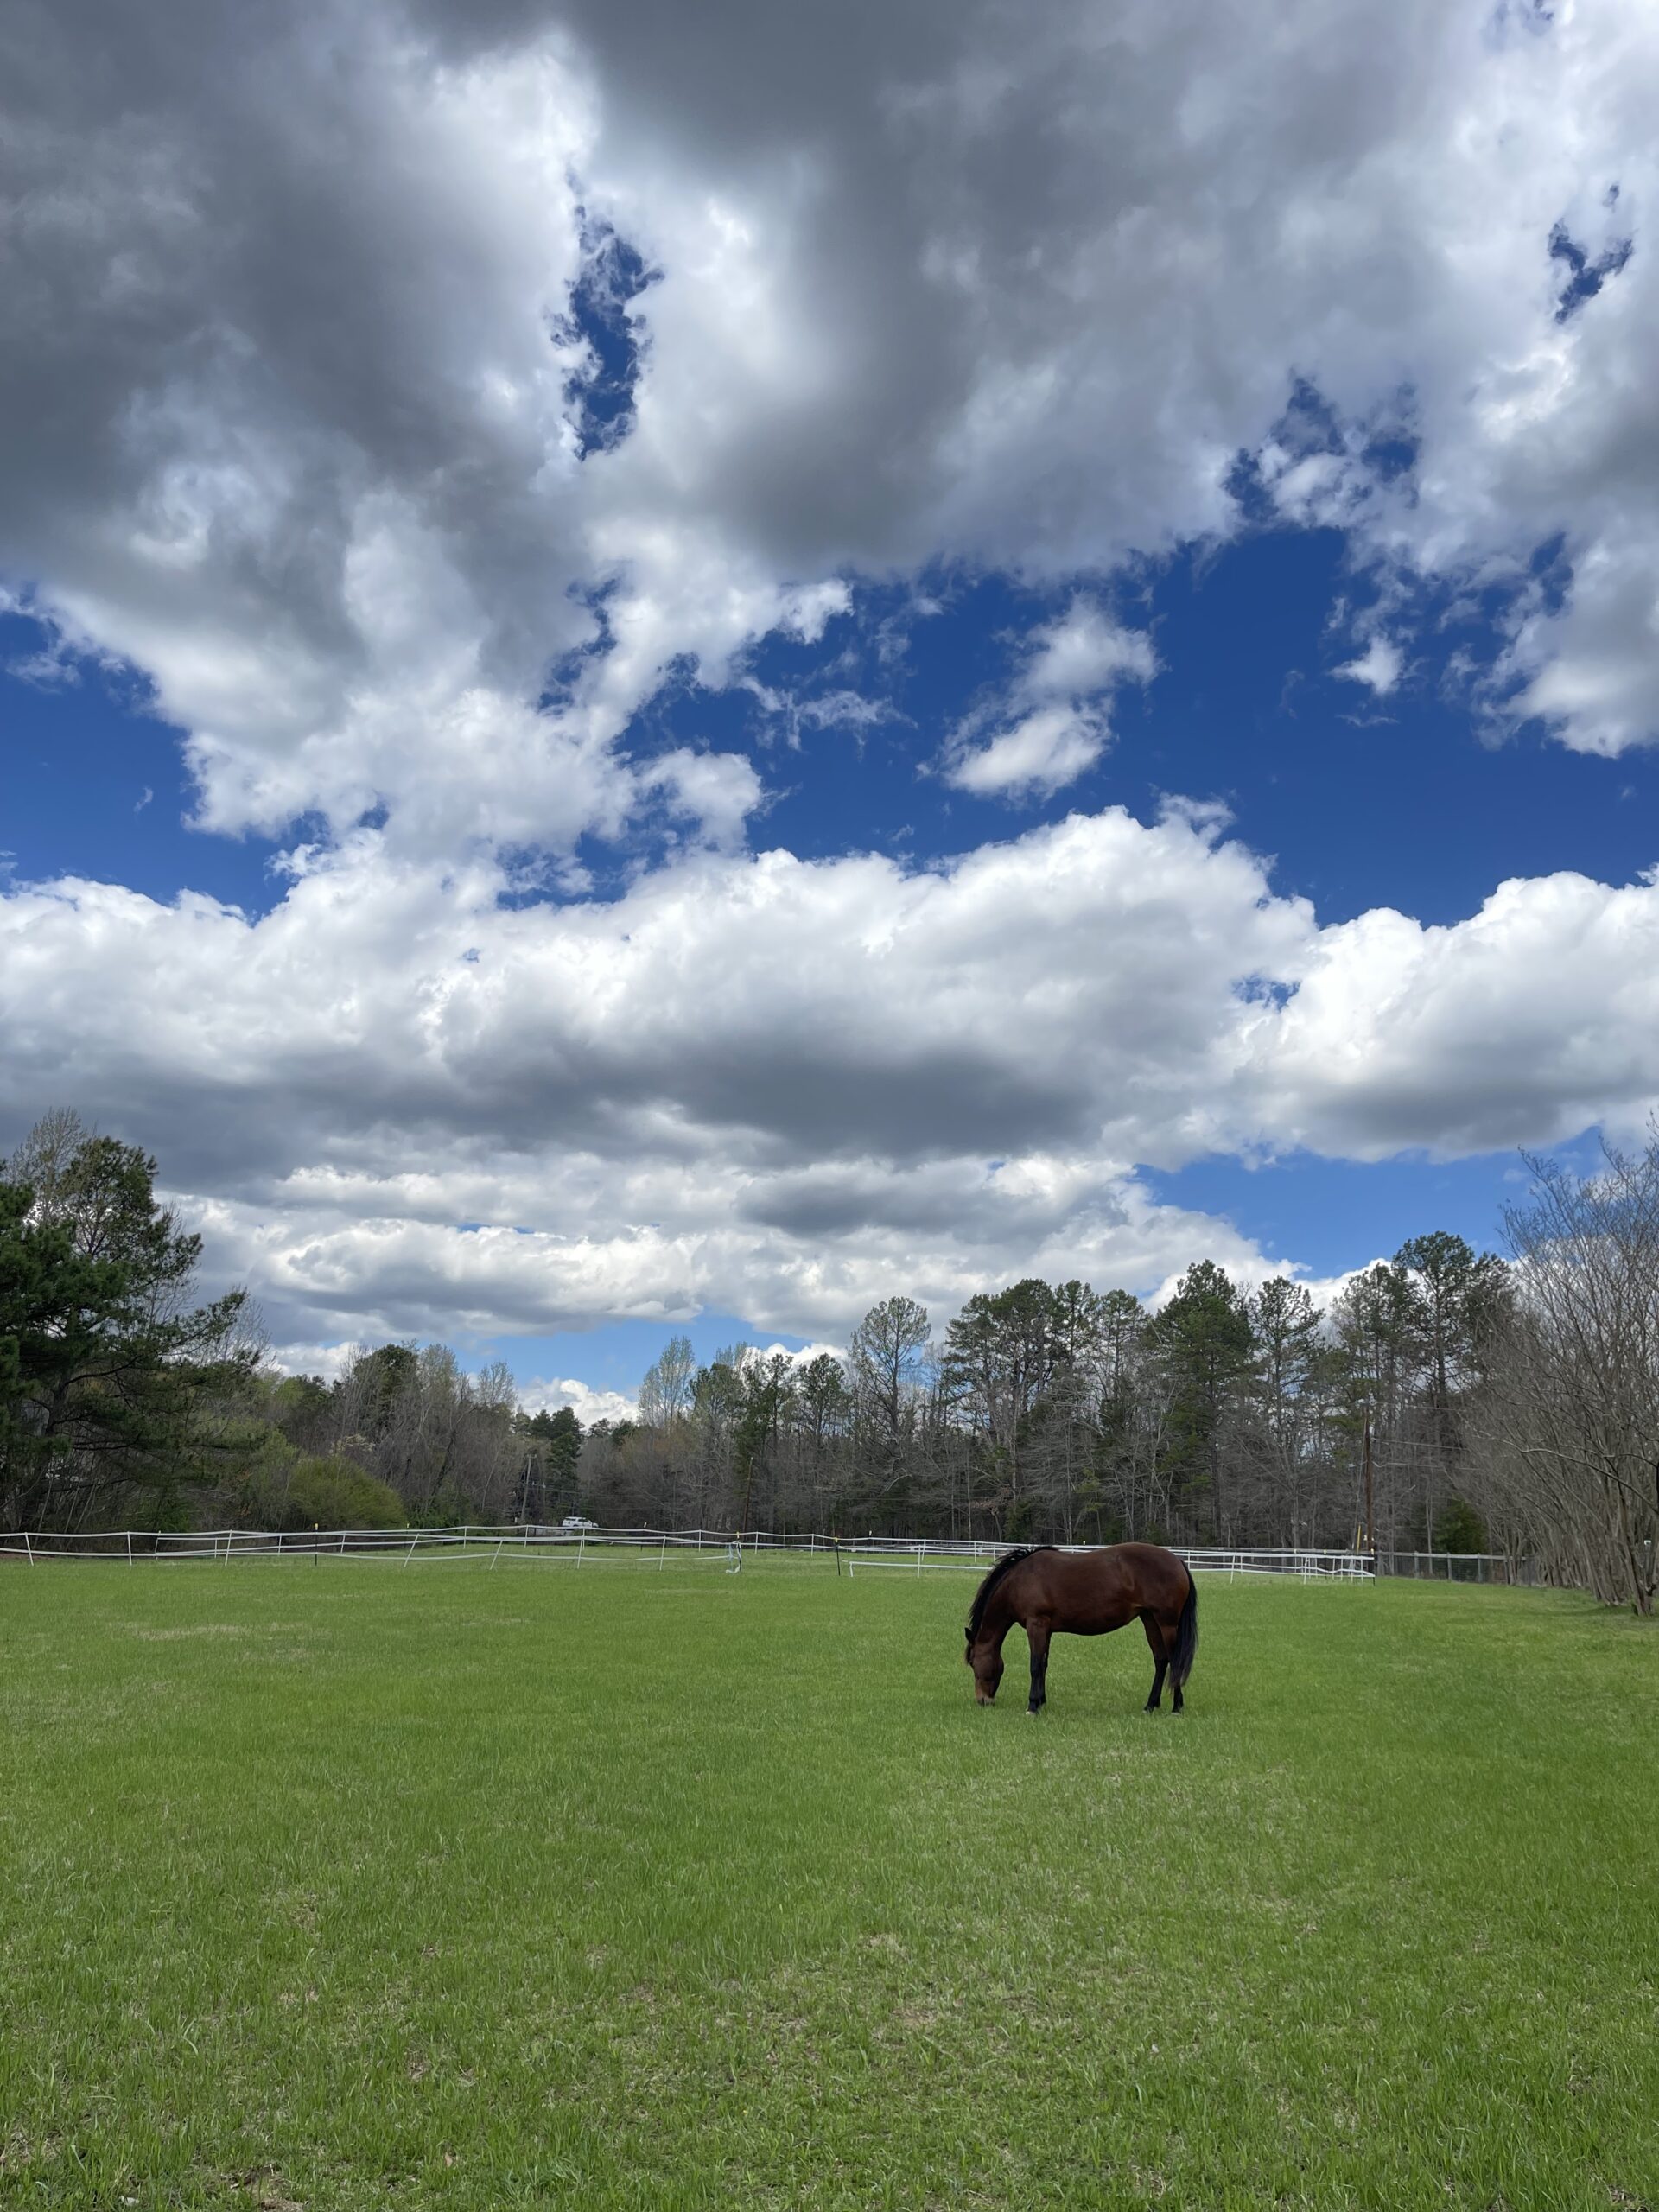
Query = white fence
x=398 y=1547
x=975 y=1558
x=635 y=1547
x=656 y=1547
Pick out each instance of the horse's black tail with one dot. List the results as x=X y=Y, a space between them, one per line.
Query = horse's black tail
x=1186 y=1635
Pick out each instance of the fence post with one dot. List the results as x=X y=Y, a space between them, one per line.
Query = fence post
x=28 y=1547
x=129 y=1548
x=663 y=1557
x=581 y=1544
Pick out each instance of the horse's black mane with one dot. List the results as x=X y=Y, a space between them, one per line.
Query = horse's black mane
x=981 y=1596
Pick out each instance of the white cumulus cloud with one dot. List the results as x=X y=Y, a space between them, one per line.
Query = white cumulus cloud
x=1055 y=712
x=783 y=1090
x=548 y=1396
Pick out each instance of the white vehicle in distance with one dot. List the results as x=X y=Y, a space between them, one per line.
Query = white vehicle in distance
x=574 y=1525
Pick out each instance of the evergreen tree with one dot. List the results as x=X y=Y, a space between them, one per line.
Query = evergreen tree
x=1202 y=1337
x=556 y=1440
x=109 y=1377
x=1000 y=1357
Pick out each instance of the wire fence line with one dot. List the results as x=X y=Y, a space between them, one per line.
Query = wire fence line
x=1460 y=1566
x=655 y=1546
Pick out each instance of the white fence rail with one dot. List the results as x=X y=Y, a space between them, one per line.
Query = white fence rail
x=656 y=1547
x=917 y=1556
x=396 y=1546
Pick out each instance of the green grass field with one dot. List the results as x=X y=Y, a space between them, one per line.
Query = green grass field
x=348 y=1886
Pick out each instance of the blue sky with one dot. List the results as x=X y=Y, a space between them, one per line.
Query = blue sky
x=1410 y=802
x=699 y=720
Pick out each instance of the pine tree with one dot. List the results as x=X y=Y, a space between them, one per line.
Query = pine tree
x=109 y=1377
x=1202 y=1339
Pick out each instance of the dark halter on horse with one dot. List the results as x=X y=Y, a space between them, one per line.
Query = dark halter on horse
x=1050 y=1591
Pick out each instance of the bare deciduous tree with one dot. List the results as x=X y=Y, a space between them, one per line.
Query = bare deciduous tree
x=1569 y=1418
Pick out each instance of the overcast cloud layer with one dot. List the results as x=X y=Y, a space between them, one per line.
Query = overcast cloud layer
x=301 y=427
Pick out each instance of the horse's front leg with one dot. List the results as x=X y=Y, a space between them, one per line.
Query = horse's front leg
x=1037 y=1635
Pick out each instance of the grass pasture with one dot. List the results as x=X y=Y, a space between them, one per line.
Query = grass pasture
x=343 y=1885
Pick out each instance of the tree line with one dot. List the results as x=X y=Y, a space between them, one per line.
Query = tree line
x=125 y=1403
x=1447 y=1401
x=1055 y=1412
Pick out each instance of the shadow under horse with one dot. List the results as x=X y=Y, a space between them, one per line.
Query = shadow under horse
x=1054 y=1592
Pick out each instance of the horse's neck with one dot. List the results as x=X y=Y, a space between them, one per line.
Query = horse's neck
x=999 y=1618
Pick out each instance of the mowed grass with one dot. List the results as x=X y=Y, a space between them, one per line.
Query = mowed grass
x=348 y=1886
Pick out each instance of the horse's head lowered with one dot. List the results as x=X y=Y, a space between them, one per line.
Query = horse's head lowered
x=986 y=1660
x=988 y=1625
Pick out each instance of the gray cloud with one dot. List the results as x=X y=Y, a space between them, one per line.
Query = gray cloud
x=940 y=281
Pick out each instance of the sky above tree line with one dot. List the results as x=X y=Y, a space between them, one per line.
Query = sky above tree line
x=673 y=670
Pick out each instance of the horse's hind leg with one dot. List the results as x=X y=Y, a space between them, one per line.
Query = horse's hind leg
x=1161 y=1647
x=1037 y=1637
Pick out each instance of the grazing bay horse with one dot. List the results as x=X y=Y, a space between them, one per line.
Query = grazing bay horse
x=1085 y=1593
